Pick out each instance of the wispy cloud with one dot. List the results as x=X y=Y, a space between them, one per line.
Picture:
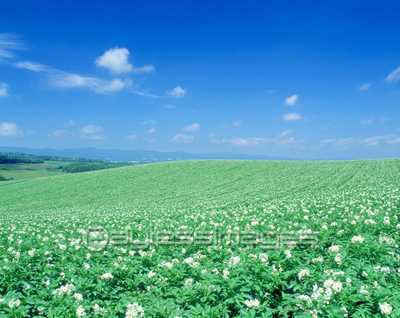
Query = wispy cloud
x=181 y=138
x=343 y=143
x=116 y=61
x=8 y=43
x=292 y=116
x=60 y=79
x=92 y=132
x=151 y=131
x=394 y=75
x=271 y=91
x=62 y=133
x=70 y=123
x=253 y=141
x=31 y=66
x=285 y=133
x=192 y=127
x=149 y=121
x=364 y=86
x=132 y=137
x=376 y=140
x=291 y=100
x=10 y=130
x=3 y=89
x=178 y=92
x=366 y=121
x=91 y=129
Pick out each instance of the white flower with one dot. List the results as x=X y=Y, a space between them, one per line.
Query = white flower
x=234 y=261
x=134 y=310
x=385 y=308
x=358 y=238
x=334 y=248
x=151 y=274
x=14 y=303
x=226 y=273
x=252 y=303
x=304 y=272
x=188 y=282
x=288 y=254
x=78 y=296
x=337 y=287
x=107 y=276
x=263 y=257
x=80 y=311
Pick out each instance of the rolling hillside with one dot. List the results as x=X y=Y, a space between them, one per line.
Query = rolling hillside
x=204 y=239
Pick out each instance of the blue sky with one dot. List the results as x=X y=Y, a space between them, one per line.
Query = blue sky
x=303 y=79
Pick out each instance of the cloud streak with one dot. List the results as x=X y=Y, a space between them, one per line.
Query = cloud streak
x=394 y=75
x=65 y=80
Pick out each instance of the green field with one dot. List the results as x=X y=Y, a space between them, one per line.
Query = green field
x=19 y=171
x=204 y=239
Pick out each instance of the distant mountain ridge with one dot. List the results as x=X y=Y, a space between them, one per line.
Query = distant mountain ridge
x=136 y=155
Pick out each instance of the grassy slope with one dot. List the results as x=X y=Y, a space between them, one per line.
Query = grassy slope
x=182 y=185
x=20 y=171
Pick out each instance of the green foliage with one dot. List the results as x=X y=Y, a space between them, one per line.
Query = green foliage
x=352 y=270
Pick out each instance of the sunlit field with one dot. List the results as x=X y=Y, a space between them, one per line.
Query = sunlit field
x=204 y=239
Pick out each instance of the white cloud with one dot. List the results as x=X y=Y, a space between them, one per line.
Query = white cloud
x=178 y=92
x=116 y=61
x=394 y=75
x=237 y=123
x=71 y=123
x=215 y=140
x=8 y=43
x=93 y=137
x=91 y=129
x=132 y=137
x=181 y=138
x=144 y=69
x=62 y=133
x=31 y=66
x=151 y=131
x=3 y=89
x=287 y=141
x=149 y=121
x=192 y=127
x=388 y=139
x=340 y=143
x=292 y=100
x=147 y=94
x=285 y=133
x=252 y=141
x=364 y=86
x=292 y=116
x=366 y=121
x=247 y=141
x=10 y=130
x=60 y=79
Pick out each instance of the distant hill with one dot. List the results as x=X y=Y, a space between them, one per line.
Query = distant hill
x=136 y=155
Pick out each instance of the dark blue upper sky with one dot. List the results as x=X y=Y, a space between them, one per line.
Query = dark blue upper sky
x=305 y=79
